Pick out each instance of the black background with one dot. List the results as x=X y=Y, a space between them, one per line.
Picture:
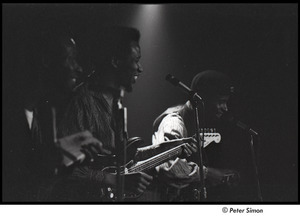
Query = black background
x=256 y=44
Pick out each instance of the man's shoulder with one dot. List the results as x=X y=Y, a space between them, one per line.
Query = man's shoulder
x=174 y=109
x=172 y=119
x=171 y=112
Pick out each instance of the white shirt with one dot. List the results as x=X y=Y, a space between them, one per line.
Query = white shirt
x=183 y=171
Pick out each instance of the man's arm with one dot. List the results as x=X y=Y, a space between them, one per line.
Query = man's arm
x=178 y=170
x=153 y=150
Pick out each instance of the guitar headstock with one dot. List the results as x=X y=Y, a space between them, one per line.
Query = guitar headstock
x=210 y=135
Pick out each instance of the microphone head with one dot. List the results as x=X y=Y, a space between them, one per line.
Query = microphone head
x=172 y=79
x=228 y=117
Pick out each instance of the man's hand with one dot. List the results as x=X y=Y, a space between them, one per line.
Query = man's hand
x=92 y=147
x=189 y=149
x=80 y=146
x=137 y=182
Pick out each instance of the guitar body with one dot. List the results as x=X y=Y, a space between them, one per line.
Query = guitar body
x=108 y=162
x=111 y=193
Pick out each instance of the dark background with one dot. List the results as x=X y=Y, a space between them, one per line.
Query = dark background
x=256 y=44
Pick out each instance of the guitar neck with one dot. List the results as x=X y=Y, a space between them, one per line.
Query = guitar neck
x=156 y=160
x=169 y=154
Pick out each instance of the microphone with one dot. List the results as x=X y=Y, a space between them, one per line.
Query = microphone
x=230 y=119
x=178 y=83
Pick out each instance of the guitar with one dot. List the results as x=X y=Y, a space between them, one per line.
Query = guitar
x=140 y=166
x=71 y=150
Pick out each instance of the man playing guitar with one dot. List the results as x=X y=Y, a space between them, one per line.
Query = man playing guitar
x=178 y=122
x=115 y=53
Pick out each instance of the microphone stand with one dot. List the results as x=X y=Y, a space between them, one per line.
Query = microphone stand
x=121 y=142
x=252 y=133
x=200 y=192
x=54 y=131
x=255 y=166
x=196 y=100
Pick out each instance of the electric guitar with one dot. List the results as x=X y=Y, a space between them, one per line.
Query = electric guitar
x=133 y=167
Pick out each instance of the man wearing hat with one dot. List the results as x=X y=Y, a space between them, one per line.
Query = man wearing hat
x=215 y=89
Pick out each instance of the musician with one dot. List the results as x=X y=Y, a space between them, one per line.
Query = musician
x=115 y=54
x=178 y=122
x=46 y=70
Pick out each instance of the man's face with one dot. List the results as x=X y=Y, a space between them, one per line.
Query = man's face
x=70 y=66
x=130 y=68
x=216 y=106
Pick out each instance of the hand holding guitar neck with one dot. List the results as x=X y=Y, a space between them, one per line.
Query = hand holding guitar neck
x=189 y=147
x=152 y=150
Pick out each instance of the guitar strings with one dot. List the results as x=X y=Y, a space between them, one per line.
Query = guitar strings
x=153 y=161
x=156 y=161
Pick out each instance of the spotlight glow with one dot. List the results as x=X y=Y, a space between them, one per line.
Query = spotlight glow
x=148 y=16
